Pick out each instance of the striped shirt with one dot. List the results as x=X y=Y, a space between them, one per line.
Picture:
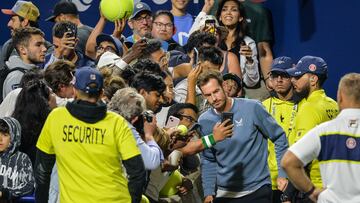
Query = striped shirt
x=336 y=144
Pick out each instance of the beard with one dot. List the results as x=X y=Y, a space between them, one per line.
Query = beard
x=35 y=60
x=304 y=93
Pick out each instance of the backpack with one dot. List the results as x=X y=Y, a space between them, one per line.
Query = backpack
x=4 y=72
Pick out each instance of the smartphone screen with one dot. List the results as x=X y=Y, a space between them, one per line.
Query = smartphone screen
x=227 y=115
x=71 y=30
x=210 y=26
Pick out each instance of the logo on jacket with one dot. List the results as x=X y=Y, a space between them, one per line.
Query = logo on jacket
x=353 y=123
x=8 y=172
x=239 y=123
x=82 y=5
x=350 y=143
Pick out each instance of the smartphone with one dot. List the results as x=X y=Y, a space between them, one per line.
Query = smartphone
x=196 y=128
x=196 y=57
x=227 y=115
x=172 y=122
x=71 y=30
x=210 y=26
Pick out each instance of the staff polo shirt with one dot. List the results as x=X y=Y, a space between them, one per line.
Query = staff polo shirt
x=284 y=113
x=88 y=156
x=336 y=144
x=314 y=110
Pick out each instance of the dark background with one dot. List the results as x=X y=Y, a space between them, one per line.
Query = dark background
x=329 y=29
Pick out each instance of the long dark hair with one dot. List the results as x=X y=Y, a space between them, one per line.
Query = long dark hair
x=241 y=28
x=31 y=110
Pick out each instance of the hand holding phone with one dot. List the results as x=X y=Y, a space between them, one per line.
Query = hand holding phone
x=225 y=128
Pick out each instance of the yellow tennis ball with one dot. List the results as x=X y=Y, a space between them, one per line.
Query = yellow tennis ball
x=183 y=129
x=129 y=8
x=116 y=9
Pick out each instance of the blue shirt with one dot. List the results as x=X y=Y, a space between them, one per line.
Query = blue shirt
x=150 y=151
x=183 y=25
x=82 y=60
x=239 y=163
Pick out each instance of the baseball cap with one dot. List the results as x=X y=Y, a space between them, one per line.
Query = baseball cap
x=232 y=76
x=88 y=80
x=309 y=64
x=63 y=7
x=139 y=7
x=24 y=9
x=281 y=64
x=108 y=38
x=110 y=59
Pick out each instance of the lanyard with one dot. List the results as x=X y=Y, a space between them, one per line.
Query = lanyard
x=292 y=118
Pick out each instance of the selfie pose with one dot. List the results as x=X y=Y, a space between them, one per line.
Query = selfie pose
x=229 y=165
x=65 y=41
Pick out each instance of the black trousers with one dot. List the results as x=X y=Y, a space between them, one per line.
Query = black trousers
x=262 y=195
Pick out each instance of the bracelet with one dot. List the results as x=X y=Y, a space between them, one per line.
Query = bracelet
x=208 y=141
x=307 y=194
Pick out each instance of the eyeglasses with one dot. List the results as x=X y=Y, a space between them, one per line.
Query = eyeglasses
x=191 y=119
x=165 y=59
x=104 y=49
x=142 y=18
x=159 y=25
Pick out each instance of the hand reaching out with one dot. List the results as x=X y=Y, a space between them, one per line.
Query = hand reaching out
x=119 y=27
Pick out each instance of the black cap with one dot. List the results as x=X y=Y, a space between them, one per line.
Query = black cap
x=232 y=76
x=63 y=7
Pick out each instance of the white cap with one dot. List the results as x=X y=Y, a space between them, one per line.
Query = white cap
x=110 y=59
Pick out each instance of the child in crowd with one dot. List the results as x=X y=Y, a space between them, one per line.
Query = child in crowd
x=16 y=173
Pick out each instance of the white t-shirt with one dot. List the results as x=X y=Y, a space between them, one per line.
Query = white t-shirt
x=336 y=144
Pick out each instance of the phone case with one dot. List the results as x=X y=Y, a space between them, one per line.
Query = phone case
x=172 y=122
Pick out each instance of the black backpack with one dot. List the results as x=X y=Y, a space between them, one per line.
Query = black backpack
x=4 y=72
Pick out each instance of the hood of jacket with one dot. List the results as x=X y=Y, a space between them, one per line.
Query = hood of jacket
x=15 y=135
x=87 y=111
x=15 y=61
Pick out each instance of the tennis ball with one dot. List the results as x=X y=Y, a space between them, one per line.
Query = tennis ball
x=129 y=8
x=183 y=129
x=116 y=9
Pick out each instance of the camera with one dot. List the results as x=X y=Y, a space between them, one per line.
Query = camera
x=148 y=115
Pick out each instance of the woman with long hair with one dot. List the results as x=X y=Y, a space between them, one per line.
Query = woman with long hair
x=32 y=107
x=231 y=14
